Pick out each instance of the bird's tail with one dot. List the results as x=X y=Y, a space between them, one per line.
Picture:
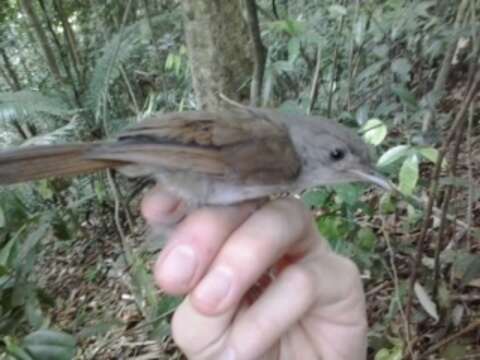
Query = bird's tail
x=39 y=162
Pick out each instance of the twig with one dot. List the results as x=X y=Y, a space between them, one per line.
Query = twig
x=396 y=284
x=351 y=54
x=231 y=101
x=129 y=88
x=445 y=205
x=110 y=64
x=421 y=203
x=152 y=33
x=442 y=76
x=376 y=289
x=473 y=326
x=118 y=224
x=335 y=72
x=316 y=80
x=274 y=9
x=459 y=119
x=470 y=176
x=259 y=52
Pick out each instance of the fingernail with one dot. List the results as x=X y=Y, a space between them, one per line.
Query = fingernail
x=179 y=266
x=228 y=354
x=215 y=287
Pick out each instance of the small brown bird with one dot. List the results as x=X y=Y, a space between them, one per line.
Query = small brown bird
x=220 y=157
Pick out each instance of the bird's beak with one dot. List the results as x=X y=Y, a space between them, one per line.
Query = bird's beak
x=369 y=175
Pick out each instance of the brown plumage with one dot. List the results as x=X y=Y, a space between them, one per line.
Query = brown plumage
x=212 y=157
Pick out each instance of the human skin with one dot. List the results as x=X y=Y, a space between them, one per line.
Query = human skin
x=259 y=283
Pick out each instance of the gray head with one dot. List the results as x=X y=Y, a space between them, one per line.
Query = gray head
x=331 y=152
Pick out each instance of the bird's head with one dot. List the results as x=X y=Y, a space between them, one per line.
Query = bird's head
x=333 y=153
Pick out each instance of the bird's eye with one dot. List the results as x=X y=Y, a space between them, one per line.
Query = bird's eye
x=337 y=154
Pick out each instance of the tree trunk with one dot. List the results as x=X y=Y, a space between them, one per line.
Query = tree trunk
x=63 y=57
x=7 y=79
x=218 y=46
x=42 y=38
x=259 y=53
x=150 y=27
x=10 y=72
x=70 y=39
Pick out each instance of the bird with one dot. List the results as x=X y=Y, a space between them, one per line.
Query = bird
x=212 y=157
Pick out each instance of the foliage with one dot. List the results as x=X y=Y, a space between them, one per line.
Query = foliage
x=22 y=103
x=378 y=67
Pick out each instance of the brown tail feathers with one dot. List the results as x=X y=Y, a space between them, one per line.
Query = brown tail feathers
x=39 y=162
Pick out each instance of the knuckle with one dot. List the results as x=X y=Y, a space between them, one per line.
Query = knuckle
x=291 y=213
x=180 y=334
x=352 y=284
x=243 y=255
x=302 y=280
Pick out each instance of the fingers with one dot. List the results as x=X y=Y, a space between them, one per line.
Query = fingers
x=315 y=306
x=161 y=208
x=279 y=308
x=255 y=329
x=194 y=244
x=273 y=231
x=217 y=255
x=338 y=316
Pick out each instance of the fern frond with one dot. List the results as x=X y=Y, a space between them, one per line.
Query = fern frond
x=14 y=105
x=114 y=53
x=66 y=133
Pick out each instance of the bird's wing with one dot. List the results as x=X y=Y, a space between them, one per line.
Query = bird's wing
x=244 y=146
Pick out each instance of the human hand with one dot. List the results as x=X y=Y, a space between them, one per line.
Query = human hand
x=259 y=283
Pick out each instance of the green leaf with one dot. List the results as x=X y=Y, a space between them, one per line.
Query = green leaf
x=333 y=228
x=472 y=272
x=7 y=252
x=33 y=310
x=169 y=61
x=372 y=71
x=15 y=105
x=426 y=301
x=98 y=329
x=392 y=155
x=293 y=49
x=432 y=154
x=395 y=353
x=408 y=176
x=407 y=97
x=402 y=68
x=348 y=193
x=289 y=26
x=359 y=29
x=361 y=116
x=50 y=345
x=45 y=190
x=429 y=153
x=15 y=350
x=2 y=218
x=366 y=239
x=374 y=131
x=455 y=351
x=386 y=204
x=337 y=10
x=100 y=190
x=316 y=198
x=381 y=50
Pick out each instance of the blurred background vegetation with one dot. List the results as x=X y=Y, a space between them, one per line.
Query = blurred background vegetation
x=75 y=257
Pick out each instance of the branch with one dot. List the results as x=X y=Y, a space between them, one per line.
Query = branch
x=259 y=52
x=442 y=76
x=316 y=80
x=473 y=326
x=457 y=124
